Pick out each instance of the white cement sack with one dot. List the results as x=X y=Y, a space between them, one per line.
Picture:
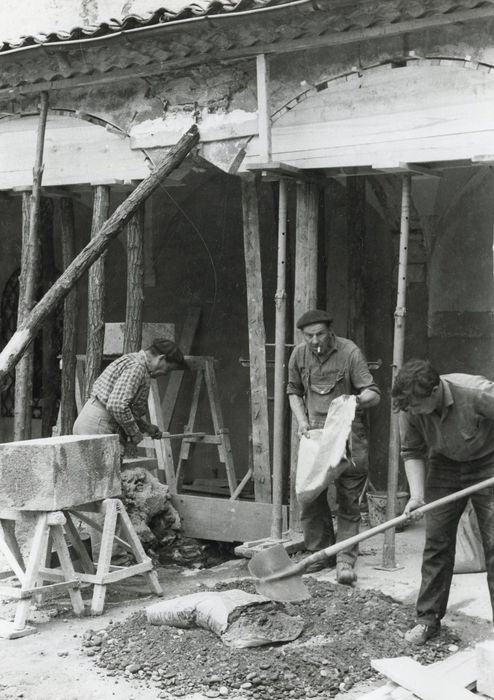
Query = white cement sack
x=322 y=456
x=209 y=609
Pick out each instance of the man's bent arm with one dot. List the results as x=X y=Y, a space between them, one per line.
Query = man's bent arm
x=415 y=471
x=298 y=409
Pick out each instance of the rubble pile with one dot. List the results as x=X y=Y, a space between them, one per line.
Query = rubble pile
x=343 y=629
x=147 y=501
x=157 y=523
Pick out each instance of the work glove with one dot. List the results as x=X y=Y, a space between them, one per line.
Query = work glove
x=154 y=432
x=412 y=504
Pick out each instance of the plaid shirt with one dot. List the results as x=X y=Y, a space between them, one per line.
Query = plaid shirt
x=123 y=388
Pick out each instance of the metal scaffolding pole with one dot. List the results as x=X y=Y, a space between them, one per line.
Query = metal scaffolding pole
x=389 y=560
x=279 y=368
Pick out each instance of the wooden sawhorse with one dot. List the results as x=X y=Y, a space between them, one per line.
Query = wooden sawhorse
x=203 y=366
x=103 y=573
x=48 y=534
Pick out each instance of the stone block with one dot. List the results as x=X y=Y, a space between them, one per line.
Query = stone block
x=59 y=472
x=484 y=654
x=114 y=335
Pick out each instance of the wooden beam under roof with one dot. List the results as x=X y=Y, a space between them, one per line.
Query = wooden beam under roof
x=276 y=170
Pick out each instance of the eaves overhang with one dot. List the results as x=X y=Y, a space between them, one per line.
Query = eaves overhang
x=249 y=28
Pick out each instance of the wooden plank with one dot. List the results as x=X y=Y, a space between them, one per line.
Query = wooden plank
x=65 y=209
x=459 y=668
x=50 y=371
x=25 y=333
x=263 y=106
x=304 y=298
x=257 y=341
x=78 y=545
x=425 y=682
x=118 y=575
x=385 y=155
x=37 y=557
x=159 y=135
x=357 y=261
x=72 y=156
x=29 y=278
x=185 y=344
x=62 y=550
x=10 y=554
x=224 y=520
x=104 y=560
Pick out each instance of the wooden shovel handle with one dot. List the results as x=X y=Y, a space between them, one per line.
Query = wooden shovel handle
x=339 y=546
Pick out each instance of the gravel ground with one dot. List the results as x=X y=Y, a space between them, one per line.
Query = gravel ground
x=343 y=629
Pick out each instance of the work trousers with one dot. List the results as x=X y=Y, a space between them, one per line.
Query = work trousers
x=94 y=419
x=446 y=477
x=316 y=517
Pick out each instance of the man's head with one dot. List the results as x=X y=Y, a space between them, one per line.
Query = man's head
x=316 y=330
x=417 y=388
x=163 y=356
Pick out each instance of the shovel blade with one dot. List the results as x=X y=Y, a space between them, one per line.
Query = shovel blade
x=275 y=561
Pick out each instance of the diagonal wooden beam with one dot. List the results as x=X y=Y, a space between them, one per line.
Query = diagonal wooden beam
x=25 y=334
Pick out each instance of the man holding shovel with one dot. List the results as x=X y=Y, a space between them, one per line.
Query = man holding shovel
x=448 y=421
x=322 y=368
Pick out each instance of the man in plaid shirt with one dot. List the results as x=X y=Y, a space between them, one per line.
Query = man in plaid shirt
x=119 y=396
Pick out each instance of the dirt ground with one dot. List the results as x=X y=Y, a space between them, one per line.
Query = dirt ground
x=343 y=629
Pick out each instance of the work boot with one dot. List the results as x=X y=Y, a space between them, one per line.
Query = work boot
x=419 y=634
x=345 y=573
x=326 y=563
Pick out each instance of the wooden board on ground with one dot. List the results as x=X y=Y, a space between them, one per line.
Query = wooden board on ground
x=460 y=669
x=224 y=520
x=427 y=683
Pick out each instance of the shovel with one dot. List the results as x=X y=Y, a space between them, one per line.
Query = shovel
x=277 y=578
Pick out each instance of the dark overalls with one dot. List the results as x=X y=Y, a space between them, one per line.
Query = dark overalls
x=319 y=380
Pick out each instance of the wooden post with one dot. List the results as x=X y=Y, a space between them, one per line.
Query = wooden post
x=389 y=561
x=28 y=279
x=24 y=371
x=356 y=200
x=263 y=108
x=305 y=298
x=257 y=341
x=49 y=368
x=70 y=313
x=279 y=368
x=96 y=293
x=135 y=282
x=25 y=334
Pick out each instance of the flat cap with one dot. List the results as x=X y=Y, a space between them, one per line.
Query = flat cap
x=171 y=351
x=314 y=316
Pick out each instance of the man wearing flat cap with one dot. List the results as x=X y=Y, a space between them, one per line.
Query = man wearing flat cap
x=321 y=368
x=119 y=396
